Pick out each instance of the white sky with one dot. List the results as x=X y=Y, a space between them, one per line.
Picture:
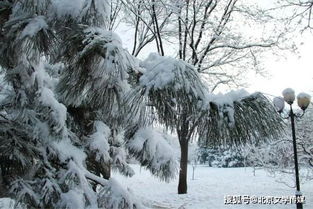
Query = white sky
x=294 y=71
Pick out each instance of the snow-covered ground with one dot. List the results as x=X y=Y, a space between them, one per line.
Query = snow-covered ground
x=208 y=190
x=210 y=187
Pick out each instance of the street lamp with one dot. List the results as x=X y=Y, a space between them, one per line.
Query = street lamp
x=303 y=102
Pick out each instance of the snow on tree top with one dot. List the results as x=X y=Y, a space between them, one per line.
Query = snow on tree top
x=160 y=71
x=230 y=97
x=225 y=102
x=166 y=72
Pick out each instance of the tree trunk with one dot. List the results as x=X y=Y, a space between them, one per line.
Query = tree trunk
x=106 y=171
x=182 y=184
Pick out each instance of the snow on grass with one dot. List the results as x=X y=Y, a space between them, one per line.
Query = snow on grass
x=210 y=187
x=207 y=191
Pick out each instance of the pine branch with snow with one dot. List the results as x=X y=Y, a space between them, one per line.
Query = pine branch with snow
x=48 y=137
x=239 y=119
x=153 y=151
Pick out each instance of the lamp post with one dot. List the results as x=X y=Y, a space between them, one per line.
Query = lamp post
x=303 y=102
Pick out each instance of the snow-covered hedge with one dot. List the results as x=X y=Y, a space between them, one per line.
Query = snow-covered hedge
x=222 y=157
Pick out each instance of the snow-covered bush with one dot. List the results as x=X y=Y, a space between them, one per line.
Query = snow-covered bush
x=221 y=157
x=270 y=154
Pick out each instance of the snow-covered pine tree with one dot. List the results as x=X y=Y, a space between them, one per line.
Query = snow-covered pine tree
x=183 y=104
x=63 y=108
x=30 y=115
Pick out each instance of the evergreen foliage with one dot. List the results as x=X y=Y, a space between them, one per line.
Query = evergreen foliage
x=221 y=157
x=254 y=118
x=62 y=108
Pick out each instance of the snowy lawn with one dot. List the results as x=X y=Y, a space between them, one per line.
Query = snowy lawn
x=210 y=186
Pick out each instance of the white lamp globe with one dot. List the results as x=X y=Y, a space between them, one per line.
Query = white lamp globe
x=279 y=104
x=289 y=95
x=304 y=100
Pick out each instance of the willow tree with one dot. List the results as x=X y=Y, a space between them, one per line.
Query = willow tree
x=182 y=103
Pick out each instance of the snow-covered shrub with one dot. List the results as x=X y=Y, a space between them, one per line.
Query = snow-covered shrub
x=225 y=157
